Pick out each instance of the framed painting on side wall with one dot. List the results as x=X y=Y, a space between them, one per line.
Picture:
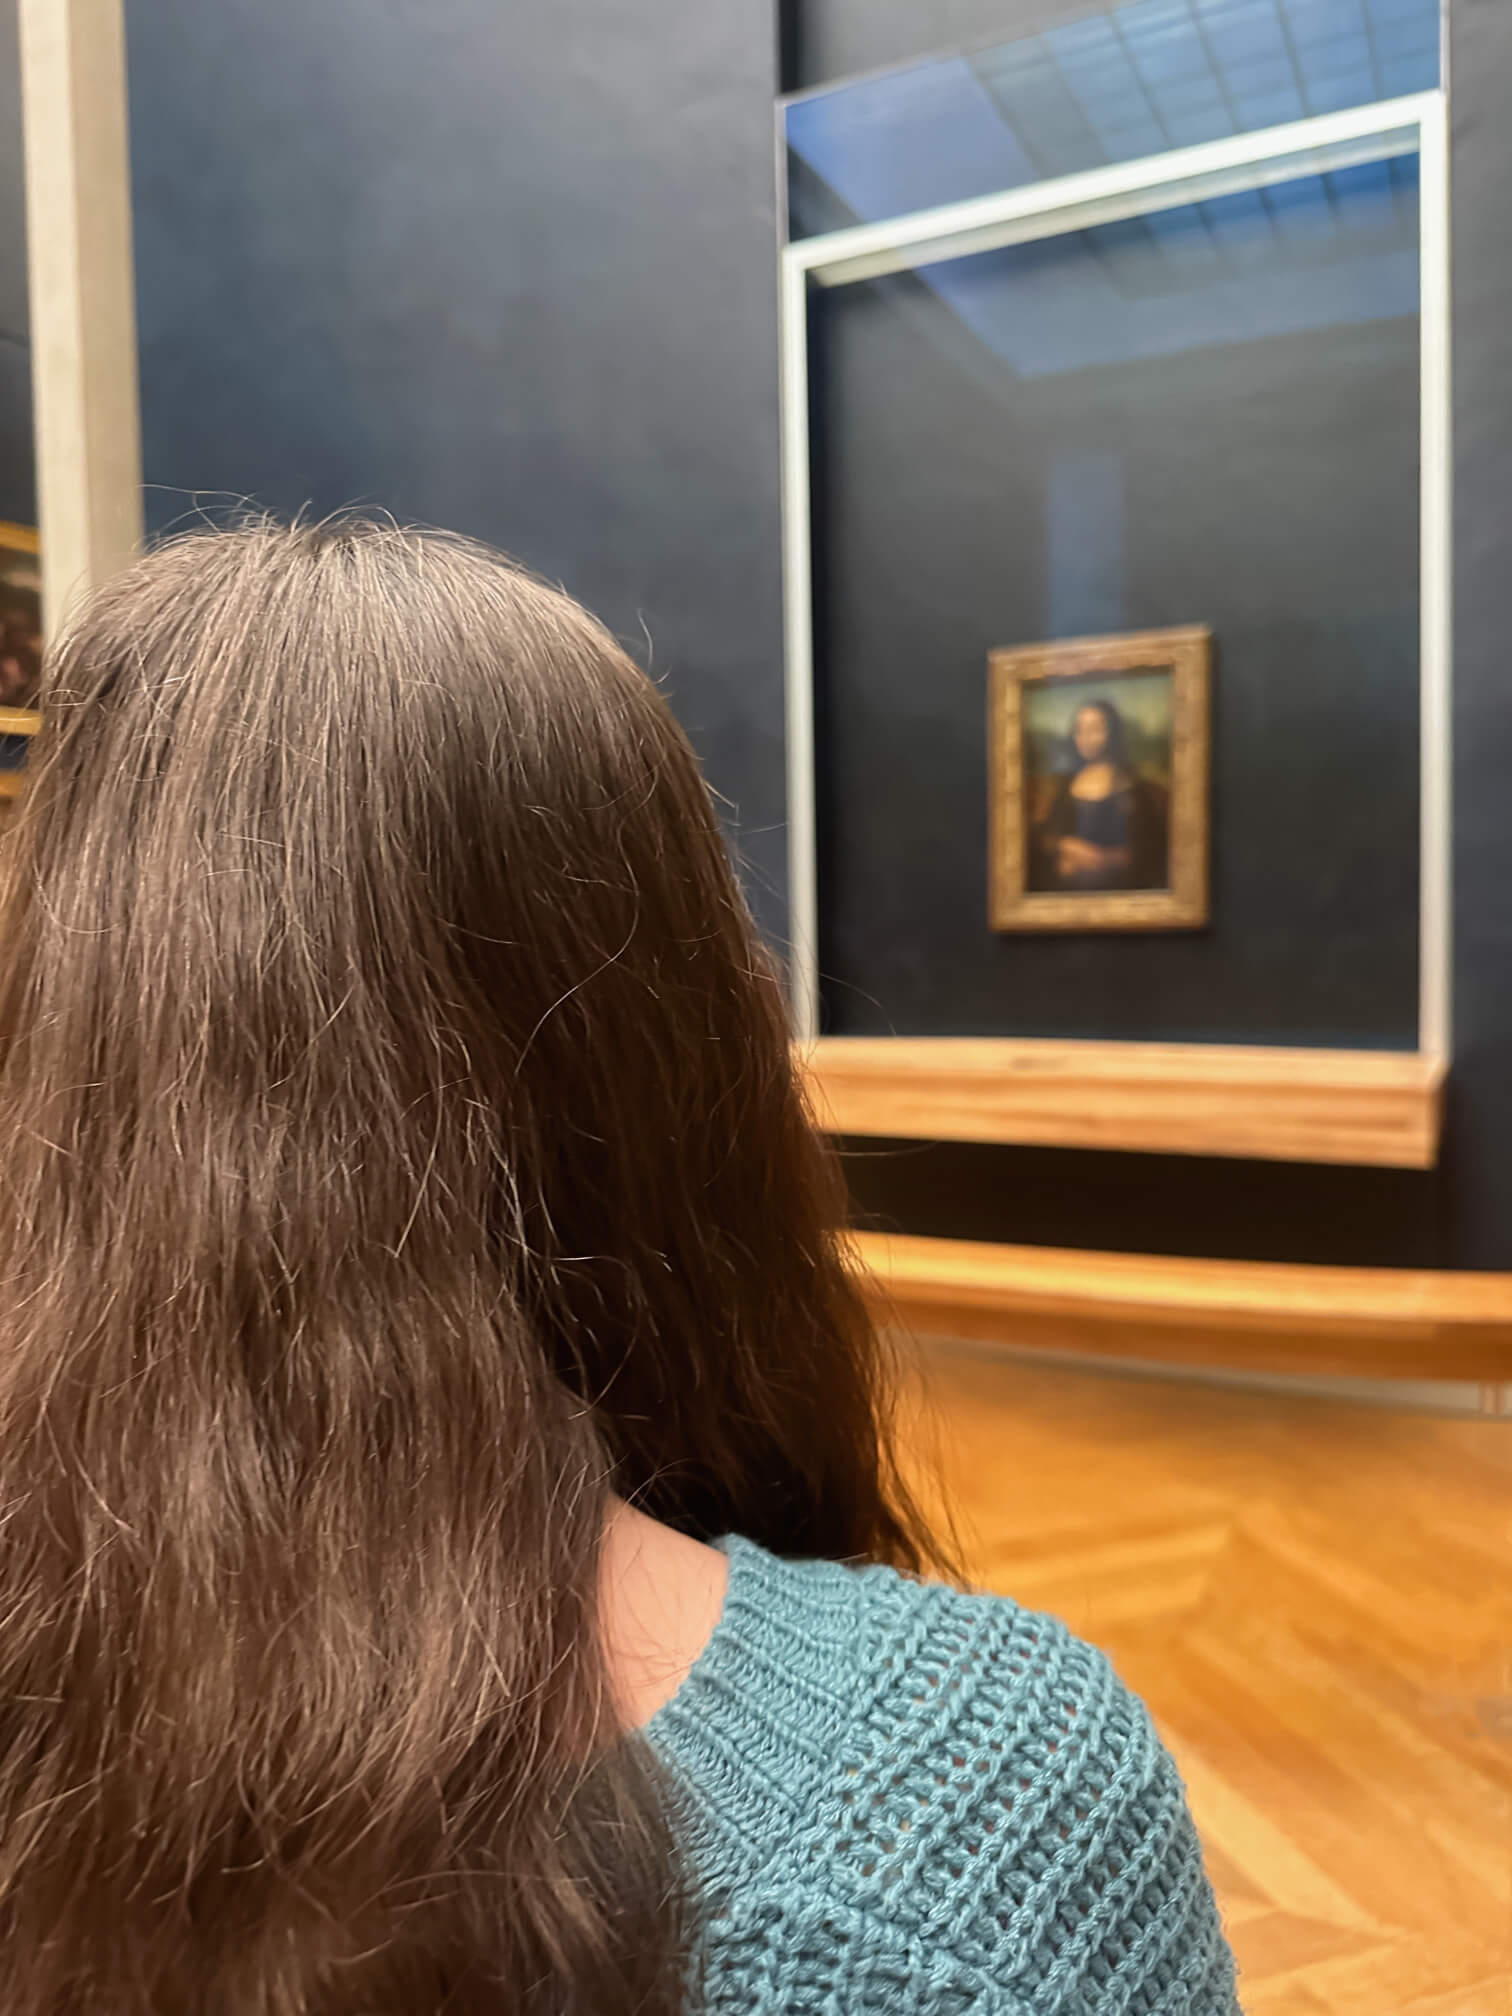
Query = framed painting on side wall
x=1098 y=782
x=20 y=652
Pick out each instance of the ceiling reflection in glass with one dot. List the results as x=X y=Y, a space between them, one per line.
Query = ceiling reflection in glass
x=1126 y=82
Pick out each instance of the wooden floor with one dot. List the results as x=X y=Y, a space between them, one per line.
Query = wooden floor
x=1315 y=1598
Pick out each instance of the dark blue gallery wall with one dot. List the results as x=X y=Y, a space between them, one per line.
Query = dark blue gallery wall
x=18 y=501
x=1479 y=1165
x=503 y=268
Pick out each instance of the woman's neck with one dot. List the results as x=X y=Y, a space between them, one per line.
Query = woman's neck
x=660 y=1596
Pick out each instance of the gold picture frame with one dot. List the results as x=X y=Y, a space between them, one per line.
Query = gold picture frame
x=1131 y=715
x=20 y=646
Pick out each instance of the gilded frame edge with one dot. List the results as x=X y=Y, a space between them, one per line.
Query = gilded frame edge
x=1186 y=904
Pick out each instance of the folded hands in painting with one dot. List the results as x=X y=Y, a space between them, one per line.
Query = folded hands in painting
x=1075 y=856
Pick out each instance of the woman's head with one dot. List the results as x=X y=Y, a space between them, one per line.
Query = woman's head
x=1098 y=735
x=403 y=1150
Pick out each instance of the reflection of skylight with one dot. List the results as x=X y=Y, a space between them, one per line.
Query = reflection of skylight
x=1322 y=251
x=1366 y=208
x=1131 y=80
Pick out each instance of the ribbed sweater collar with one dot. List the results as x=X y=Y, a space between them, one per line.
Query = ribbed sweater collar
x=758 y=1721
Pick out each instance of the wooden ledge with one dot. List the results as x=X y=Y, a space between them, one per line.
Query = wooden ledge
x=1375 y=1322
x=1379 y=1107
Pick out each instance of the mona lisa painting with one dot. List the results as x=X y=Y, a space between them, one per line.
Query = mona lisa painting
x=1099 y=783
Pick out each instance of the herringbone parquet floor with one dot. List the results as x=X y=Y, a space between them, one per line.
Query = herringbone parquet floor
x=1315 y=1598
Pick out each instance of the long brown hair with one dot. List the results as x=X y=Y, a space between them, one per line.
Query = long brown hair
x=401 y=1152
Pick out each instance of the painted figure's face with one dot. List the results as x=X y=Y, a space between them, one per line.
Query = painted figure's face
x=1090 y=734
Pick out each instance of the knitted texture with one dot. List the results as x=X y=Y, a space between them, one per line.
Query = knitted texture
x=895 y=1797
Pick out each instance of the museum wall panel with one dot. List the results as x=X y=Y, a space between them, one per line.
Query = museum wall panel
x=504 y=269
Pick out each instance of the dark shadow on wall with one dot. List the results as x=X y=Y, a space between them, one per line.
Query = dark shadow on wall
x=1200 y=1207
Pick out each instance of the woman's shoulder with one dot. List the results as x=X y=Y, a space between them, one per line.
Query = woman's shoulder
x=875 y=1661
x=942 y=1765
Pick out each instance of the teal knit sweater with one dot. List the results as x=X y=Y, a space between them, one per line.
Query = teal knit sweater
x=899 y=1798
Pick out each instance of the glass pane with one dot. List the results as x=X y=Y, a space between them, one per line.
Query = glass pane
x=1129 y=81
x=1206 y=415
